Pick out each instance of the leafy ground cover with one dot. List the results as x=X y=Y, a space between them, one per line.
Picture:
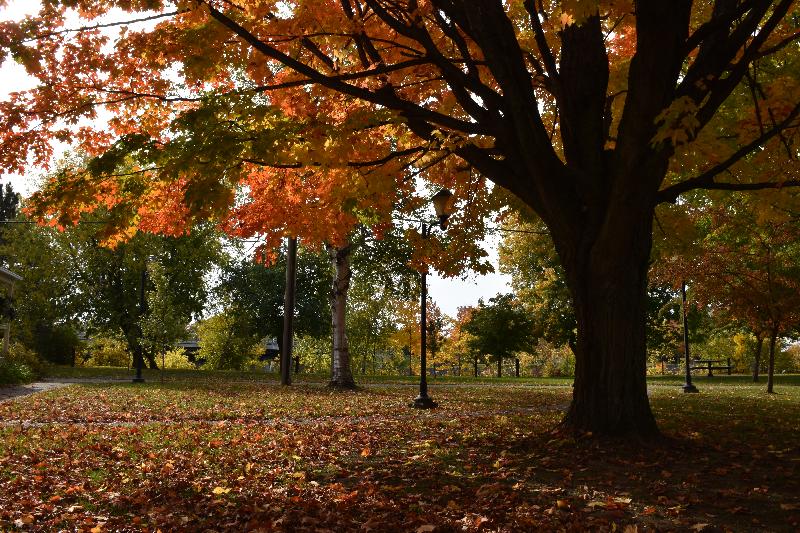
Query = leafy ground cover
x=223 y=455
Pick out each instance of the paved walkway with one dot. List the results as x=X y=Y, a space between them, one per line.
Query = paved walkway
x=15 y=391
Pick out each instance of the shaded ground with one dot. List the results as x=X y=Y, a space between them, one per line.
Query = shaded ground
x=15 y=391
x=229 y=456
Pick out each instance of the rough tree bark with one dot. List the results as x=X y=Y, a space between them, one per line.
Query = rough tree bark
x=757 y=356
x=341 y=373
x=773 y=340
x=609 y=291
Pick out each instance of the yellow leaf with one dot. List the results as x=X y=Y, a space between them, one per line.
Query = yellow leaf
x=221 y=490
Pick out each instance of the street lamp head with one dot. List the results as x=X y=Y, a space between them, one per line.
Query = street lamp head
x=443 y=206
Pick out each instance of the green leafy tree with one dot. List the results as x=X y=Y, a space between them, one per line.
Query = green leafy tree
x=382 y=278
x=538 y=281
x=49 y=299
x=71 y=282
x=500 y=329
x=227 y=342
x=255 y=289
x=114 y=278
x=743 y=261
x=166 y=320
x=437 y=329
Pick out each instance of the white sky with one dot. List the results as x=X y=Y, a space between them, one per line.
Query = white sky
x=449 y=294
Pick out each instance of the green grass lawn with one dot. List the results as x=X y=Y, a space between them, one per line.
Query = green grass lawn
x=117 y=373
x=233 y=452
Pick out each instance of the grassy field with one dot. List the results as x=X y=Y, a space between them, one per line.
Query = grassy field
x=119 y=373
x=236 y=452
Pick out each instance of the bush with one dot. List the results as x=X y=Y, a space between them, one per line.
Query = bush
x=20 y=365
x=106 y=351
x=176 y=359
x=12 y=373
x=56 y=343
x=226 y=343
x=548 y=360
x=21 y=355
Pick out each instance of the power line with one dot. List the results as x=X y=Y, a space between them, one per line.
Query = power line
x=490 y=229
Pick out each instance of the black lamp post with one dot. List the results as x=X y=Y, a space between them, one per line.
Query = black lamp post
x=687 y=387
x=442 y=205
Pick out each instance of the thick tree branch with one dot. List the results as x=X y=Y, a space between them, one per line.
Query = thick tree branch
x=706 y=179
x=353 y=164
x=385 y=97
x=541 y=42
x=722 y=89
x=721 y=22
x=458 y=81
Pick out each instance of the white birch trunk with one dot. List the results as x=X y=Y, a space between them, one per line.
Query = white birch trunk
x=341 y=374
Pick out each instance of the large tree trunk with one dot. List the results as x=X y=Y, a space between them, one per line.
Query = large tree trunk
x=757 y=356
x=607 y=276
x=773 y=339
x=341 y=374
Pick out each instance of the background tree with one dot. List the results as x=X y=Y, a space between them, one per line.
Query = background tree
x=71 y=283
x=227 y=341
x=9 y=202
x=371 y=325
x=538 y=280
x=461 y=344
x=166 y=321
x=49 y=299
x=257 y=289
x=500 y=329
x=437 y=329
x=745 y=262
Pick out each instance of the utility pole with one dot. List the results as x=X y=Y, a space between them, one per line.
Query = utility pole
x=288 y=311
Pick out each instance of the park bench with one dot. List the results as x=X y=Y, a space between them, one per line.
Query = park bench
x=711 y=364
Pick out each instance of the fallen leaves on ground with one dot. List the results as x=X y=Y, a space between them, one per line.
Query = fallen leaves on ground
x=250 y=457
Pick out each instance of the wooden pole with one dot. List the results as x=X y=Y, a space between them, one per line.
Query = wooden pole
x=288 y=311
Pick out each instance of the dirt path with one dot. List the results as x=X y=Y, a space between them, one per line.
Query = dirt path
x=15 y=391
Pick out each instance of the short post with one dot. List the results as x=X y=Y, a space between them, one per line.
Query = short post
x=729 y=366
